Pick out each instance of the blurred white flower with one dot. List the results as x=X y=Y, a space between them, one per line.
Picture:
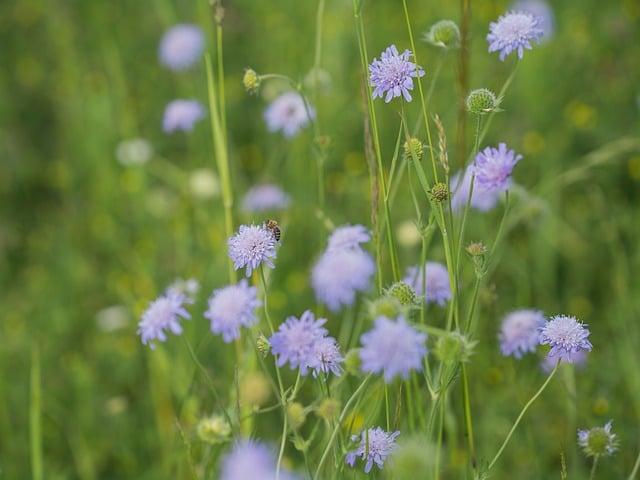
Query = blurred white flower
x=135 y=151
x=113 y=318
x=408 y=234
x=204 y=184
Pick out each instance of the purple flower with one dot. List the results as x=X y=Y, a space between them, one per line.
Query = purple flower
x=437 y=288
x=182 y=115
x=520 y=332
x=513 y=32
x=339 y=274
x=295 y=340
x=542 y=11
x=163 y=315
x=181 y=46
x=326 y=357
x=348 y=237
x=566 y=336
x=393 y=348
x=250 y=459
x=481 y=199
x=251 y=247
x=374 y=447
x=232 y=307
x=393 y=74
x=265 y=197
x=493 y=167
x=549 y=362
x=598 y=441
x=288 y=114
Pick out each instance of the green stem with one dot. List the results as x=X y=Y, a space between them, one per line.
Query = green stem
x=439 y=444
x=282 y=444
x=386 y=406
x=467 y=416
x=636 y=467
x=35 y=415
x=592 y=475
x=524 y=410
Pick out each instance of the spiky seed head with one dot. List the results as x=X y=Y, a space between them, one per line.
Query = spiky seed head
x=262 y=345
x=413 y=148
x=296 y=414
x=482 y=101
x=213 y=430
x=403 y=292
x=251 y=80
x=444 y=34
x=454 y=347
x=439 y=192
x=329 y=409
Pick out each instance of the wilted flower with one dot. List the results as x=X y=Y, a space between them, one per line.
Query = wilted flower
x=493 y=167
x=214 y=429
x=437 y=288
x=265 y=197
x=339 y=274
x=181 y=46
x=514 y=32
x=182 y=115
x=325 y=357
x=251 y=247
x=392 y=348
x=136 y=151
x=480 y=199
x=250 y=459
x=162 y=315
x=348 y=237
x=295 y=340
x=566 y=336
x=393 y=74
x=204 y=183
x=482 y=101
x=232 y=307
x=374 y=447
x=520 y=332
x=598 y=441
x=542 y=11
x=288 y=114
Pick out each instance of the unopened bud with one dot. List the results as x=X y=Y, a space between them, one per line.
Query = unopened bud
x=444 y=34
x=251 y=80
x=439 y=192
x=482 y=101
x=413 y=148
x=214 y=429
x=403 y=292
x=296 y=414
x=262 y=345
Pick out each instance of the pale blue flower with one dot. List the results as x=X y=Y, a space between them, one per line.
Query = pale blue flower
x=326 y=357
x=295 y=340
x=437 y=289
x=374 y=447
x=514 y=32
x=566 y=336
x=252 y=247
x=231 y=308
x=181 y=46
x=577 y=359
x=393 y=348
x=520 y=332
x=265 y=197
x=251 y=460
x=481 y=199
x=182 y=115
x=542 y=11
x=288 y=114
x=392 y=76
x=348 y=237
x=163 y=315
x=493 y=167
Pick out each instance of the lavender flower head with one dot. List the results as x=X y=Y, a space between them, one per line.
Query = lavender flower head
x=566 y=336
x=549 y=362
x=348 y=237
x=542 y=11
x=181 y=46
x=288 y=114
x=392 y=76
x=374 y=448
x=251 y=459
x=339 y=275
x=182 y=115
x=481 y=199
x=295 y=340
x=514 y=32
x=598 y=441
x=392 y=348
x=265 y=197
x=493 y=167
x=232 y=307
x=162 y=315
x=520 y=332
x=326 y=357
x=437 y=288
x=251 y=247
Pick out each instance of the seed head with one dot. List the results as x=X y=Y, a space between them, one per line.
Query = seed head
x=214 y=429
x=476 y=249
x=329 y=409
x=251 y=80
x=413 y=148
x=439 y=192
x=263 y=346
x=386 y=306
x=482 y=101
x=598 y=441
x=404 y=293
x=296 y=414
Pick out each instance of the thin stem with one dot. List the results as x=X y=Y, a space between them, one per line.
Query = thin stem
x=386 y=405
x=334 y=433
x=592 y=475
x=467 y=416
x=282 y=444
x=439 y=444
x=636 y=467
x=524 y=410
x=35 y=415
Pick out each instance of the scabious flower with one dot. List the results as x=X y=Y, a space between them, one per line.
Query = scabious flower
x=265 y=197
x=549 y=362
x=493 y=167
x=181 y=46
x=251 y=247
x=542 y=11
x=393 y=74
x=392 y=348
x=514 y=32
x=598 y=441
x=326 y=357
x=232 y=307
x=288 y=114
x=295 y=340
x=134 y=152
x=437 y=288
x=481 y=199
x=339 y=275
x=348 y=237
x=374 y=447
x=520 y=332
x=566 y=336
x=251 y=459
x=162 y=315
x=182 y=115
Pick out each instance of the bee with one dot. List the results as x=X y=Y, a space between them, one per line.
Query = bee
x=274 y=228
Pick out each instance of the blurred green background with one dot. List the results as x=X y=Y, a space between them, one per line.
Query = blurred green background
x=80 y=233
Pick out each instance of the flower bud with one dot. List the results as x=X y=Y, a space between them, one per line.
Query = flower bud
x=254 y=390
x=214 y=429
x=453 y=348
x=444 y=34
x=439 y=192
x=482 y=101
x=402 y=292
x=329 y=409
x=262 y=345
x=296 y=414
x=475 y=249
x=251 y=80
x=413 y=148
x=387 y=306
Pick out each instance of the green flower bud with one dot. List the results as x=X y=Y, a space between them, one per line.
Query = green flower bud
x=387 y=306
x=482 y=101
x=262 y=345
x=402 y=292
x=251 y=80
x=439 y=192
x=329 y=409
x=352 y=361
x=213 y=430
x=413 y=147
x=453 y=348
x=444 y=34
x=296 y=414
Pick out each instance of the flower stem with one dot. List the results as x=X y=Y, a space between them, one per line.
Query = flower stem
x=592 y=475
x=467 y=416
x=524 y=410
x=636 y=467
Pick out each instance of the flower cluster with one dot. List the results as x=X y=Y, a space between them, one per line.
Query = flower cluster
x=374 y=446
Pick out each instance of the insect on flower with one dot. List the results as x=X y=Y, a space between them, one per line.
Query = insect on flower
x=273 y=227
